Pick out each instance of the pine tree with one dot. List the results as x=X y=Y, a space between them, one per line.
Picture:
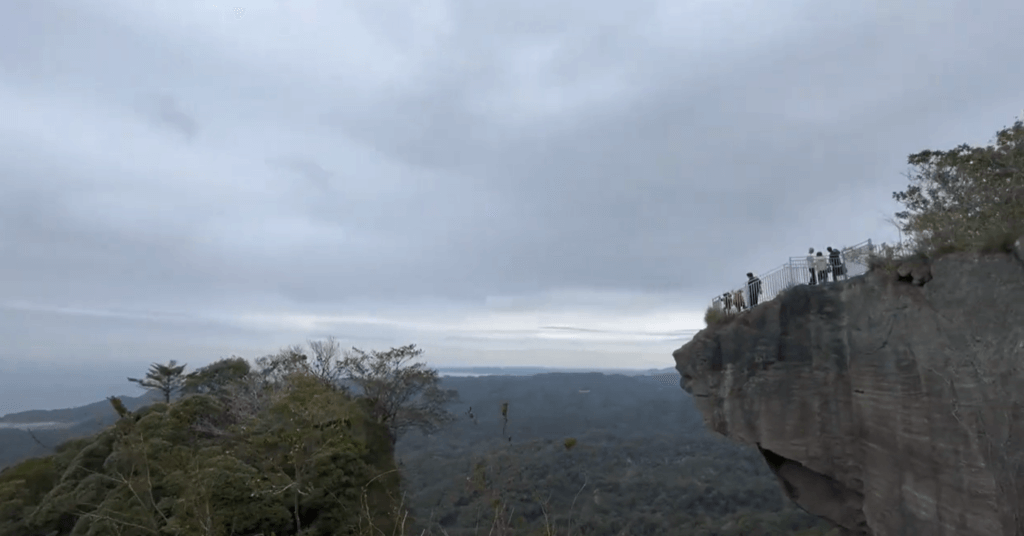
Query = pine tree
x=168 y=378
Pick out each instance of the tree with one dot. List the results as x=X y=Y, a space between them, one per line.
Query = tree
x=967 y=196
x=214 y=378
x=324 y=364
x=401 y=395
x=302 y=434
x=168 y=378
x=118 y=406
x=312 y=463
x=247 y=391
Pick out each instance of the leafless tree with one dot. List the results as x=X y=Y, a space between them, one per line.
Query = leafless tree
x=402 y=394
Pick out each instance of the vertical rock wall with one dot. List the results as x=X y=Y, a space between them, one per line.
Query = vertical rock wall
x=891 y=404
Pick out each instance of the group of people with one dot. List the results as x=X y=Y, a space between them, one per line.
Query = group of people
x=736 y=299
x=819 y=265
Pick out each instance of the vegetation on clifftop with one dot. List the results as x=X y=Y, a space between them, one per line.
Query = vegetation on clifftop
x=964 y=199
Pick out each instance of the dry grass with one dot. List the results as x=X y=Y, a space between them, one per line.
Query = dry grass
x=890 y=257
x=996 y=241
x=715 y=317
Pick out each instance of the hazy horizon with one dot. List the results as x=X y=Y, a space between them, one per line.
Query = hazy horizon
x=87 y=387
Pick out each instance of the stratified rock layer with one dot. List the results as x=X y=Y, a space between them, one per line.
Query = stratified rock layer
x=891 y=407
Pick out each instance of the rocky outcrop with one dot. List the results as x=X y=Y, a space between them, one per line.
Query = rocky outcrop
x=916 y=272
x=890 y=404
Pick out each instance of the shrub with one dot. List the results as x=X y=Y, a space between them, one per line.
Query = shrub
x=889 y=256
x=714 y=316
x=967 y=198
x=999 y=240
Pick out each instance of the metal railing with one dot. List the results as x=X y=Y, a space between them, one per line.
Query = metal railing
x=853 y=260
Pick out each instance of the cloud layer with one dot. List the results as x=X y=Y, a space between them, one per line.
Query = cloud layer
x=507 y=181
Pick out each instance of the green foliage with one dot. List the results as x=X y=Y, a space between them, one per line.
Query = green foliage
x=999 y=240
x=967 y=198
x=301 y=464
x=167 y=378
x=679 y=472
x=215 y=377
x=274 y=369
x=660 y=484
x=707 y=487
x=569 y=443
x=118 y=406
x=22 y=486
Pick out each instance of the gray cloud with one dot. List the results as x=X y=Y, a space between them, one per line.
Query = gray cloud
x=169 y=113
x=308 y=169
x=467 y=174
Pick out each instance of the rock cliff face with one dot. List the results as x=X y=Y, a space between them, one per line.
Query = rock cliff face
x=890 y=404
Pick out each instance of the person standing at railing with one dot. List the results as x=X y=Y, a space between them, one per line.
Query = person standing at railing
x=753 y=288
x=810 y=266
x=738 y=301
x=821 y=266
x=836 y=263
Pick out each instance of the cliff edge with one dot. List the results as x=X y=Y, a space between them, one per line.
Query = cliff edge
x=890 y=404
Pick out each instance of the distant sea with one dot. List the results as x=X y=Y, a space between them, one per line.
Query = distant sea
x=34 y=425
x=464 y=372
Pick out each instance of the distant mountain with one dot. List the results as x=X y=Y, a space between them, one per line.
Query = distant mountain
x=666 y=370
x=81 y=413
x=19 y=441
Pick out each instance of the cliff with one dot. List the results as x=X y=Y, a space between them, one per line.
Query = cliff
x=890 y=404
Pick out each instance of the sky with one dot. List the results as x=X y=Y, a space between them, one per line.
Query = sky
x=510 y=182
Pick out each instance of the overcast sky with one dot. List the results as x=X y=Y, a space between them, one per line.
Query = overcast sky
x=517 y=182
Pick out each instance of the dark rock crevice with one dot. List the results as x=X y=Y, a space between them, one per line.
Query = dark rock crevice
x=818 y=494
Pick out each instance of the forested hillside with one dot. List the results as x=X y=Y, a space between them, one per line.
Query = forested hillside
x=309 y=461
x=587 y=454
x=293 y=448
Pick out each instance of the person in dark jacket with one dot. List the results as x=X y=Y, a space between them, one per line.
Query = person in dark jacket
x=836 y=262
x=753 y=288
